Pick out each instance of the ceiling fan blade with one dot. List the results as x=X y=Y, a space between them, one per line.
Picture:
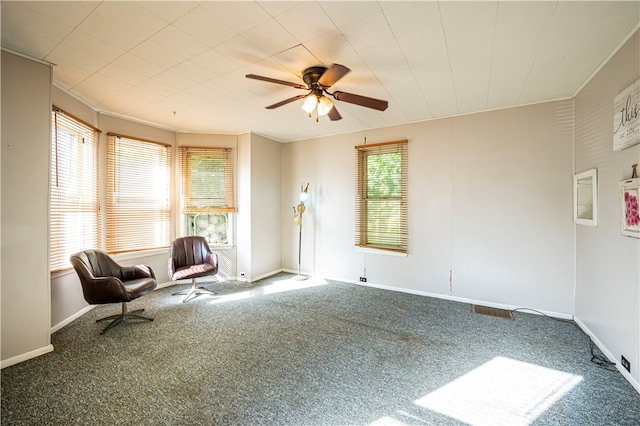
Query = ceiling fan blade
x=273 y=80
x=364 y=101
x=286 y=101
x=334 y=114
x=332 y=75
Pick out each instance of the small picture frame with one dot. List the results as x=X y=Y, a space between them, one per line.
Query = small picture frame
x=629 y=201
x=585 y=198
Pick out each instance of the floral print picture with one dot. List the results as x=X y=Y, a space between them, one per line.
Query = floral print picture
x=630 y=198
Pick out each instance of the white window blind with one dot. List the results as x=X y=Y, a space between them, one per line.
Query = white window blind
x=138 y=194
x=207 y=192
x=381 y=196
x=75 y=208
x=207 y=179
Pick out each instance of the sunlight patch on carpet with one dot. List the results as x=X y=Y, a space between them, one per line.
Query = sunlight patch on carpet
x=502 y=391
x=277 y=287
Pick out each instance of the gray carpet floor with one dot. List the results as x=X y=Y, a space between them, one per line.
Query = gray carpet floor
x=281 y=352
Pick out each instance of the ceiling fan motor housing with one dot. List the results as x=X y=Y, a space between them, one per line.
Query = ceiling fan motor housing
x=312 y=74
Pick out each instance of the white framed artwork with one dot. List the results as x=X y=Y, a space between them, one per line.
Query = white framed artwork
x=585 y=198
x=629 y=201
x=626 y=117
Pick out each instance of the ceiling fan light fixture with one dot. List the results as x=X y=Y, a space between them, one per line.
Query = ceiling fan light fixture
x=324 y=105
x=310 y=103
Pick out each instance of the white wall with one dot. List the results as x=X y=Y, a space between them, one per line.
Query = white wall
x=24 y=291
x=259 y=197
x=266 y=197
x=607 y=263
x=490 y=199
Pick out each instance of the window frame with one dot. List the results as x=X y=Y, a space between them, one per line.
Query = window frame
x=221 y=202
x=74 y=186
x=384 y=240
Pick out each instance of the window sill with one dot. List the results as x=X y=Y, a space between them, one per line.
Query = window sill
x=383 y=252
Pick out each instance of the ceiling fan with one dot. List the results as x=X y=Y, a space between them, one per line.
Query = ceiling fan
x=318 y=79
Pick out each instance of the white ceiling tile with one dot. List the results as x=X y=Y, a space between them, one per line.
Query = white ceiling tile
x=131 y=15
x=460 y=9
x=216 y=62
x=297 y=21
x=384 y=55
x=205 y=27
x=157 y=54
x=329 y=46
x=368 y=32
x=498 y=54
x=63 y=54
x=517 y=35
x=67 y=77
x=275 y=8
x=270 y=37
x=407 y=17
x=92 y=46
x=138 y=65
x=296 y=59
x=169 y=10
x=66 y=12
x=193 y=71
x=120 y=73
x=345 y=13
x=174 y=39
x=174 y=80
x=44 y=32
x=239 y=15
x=241 y=51
x=110 y=31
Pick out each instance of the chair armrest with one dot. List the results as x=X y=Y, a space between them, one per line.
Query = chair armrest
x=134 y=272
x=212 y=259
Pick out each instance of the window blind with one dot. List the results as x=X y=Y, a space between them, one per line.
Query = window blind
x=138 y=194
x=74 y=212
x=381 y=196
x=207 y=180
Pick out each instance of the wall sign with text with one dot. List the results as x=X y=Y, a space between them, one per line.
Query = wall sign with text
x=626 y=117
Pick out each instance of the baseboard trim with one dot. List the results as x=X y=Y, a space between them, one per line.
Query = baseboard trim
x=25 y=356
x=66 y=321
x=608 y=354
x=466 y=300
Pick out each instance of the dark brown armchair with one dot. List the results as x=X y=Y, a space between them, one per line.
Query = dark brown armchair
x=104 y=281
x=191 y=257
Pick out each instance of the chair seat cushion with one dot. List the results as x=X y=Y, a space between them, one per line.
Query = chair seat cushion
x=138 y=287
x=194 y=271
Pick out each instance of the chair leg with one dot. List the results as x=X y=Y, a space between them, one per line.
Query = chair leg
x=122 y=317
x=193 y=292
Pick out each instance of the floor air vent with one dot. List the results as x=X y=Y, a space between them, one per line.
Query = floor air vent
x=492 y=312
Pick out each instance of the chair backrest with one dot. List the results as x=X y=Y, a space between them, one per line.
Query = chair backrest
x=95 y=263
x=189 y=251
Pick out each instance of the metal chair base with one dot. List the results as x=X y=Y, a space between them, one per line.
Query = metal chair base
x=193 y=292
x=123 y=317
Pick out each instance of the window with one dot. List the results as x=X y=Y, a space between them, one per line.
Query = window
x=381 y=196
x=75 y=209
x=207 y=192
x=138 y=194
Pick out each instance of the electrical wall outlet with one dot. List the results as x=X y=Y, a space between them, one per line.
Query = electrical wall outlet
x=625 y=363
x=363 y=279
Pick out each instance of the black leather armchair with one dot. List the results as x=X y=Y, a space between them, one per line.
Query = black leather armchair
x=191 y=257
x=104 y=281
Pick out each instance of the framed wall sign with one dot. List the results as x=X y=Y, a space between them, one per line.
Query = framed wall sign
x=585 y=198
x=626 y=117
x=629 y=198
